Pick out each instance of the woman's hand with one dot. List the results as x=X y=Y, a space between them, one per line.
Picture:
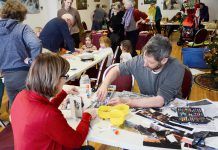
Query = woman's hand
x=111 y=30
x=92 y=112
x=73 y=91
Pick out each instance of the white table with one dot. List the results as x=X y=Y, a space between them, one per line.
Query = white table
x=77 y=67
x=102 y=132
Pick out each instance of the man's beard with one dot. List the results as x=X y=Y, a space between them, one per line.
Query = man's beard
x=157 y=67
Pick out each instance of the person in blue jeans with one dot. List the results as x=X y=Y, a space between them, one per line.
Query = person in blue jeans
x=19 y=45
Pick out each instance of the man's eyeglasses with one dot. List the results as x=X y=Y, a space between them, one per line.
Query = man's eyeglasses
x=65 y=76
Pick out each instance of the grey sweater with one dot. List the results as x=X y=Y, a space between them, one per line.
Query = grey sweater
x=17 y=42
x=167 y=83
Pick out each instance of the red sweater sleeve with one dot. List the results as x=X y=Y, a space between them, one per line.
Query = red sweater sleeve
x=139 y=14
x=56 y=101
x=58 y=130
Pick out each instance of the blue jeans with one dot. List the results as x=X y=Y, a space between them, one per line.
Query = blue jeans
x=14 y=83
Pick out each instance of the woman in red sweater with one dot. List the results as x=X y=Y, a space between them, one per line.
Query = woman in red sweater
x=37 y=122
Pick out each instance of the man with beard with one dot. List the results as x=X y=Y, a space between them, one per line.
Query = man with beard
x=158 y=75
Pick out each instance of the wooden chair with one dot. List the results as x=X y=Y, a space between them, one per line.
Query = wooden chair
x=122 y=82
x=187 y=83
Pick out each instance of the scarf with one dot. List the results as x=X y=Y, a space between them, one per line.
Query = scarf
x=127 y=17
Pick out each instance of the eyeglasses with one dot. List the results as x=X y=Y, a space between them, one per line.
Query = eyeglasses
x=66 y=76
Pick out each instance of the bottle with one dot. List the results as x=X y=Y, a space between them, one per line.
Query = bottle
x=85 y=83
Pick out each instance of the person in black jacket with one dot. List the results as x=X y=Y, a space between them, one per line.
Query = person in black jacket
x=56 y=33
x=116 y=28
x=204 y=13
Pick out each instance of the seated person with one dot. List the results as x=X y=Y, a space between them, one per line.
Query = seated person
x=176 y=18
x=157 y=74
x=88 y=46
x=56 y=33
x=105 y=46
x=38 y=30
x=36 y=120
x=126 y=48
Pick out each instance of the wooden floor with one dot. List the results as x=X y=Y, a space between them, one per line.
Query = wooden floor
x=196 y=94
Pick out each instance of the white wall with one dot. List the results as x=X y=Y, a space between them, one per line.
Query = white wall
x=87 y=14
x=212 y=5
x=213 y=8
x=50 y=8
x=40 y=19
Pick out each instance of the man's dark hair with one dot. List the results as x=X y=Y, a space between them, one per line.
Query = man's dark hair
x=159 y=47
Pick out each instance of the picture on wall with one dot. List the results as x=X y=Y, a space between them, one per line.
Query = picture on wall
x=96 y=0
x=81 y=4
x=2 y=2
x=150 y=1
x=32 y=6
x=172 y=4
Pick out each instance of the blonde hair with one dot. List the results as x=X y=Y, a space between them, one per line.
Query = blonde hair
x=105 y=40
x=38 y=29
x=45 y=72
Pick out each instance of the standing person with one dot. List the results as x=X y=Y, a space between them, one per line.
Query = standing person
x=126 y=48
x=155 y=13
x=99 y=17
x=176 y=18
x=131 y=19
x=35 y=116
x=56 y=33
x=116 y=28
x=204 y=13
x=111 y=11
x=77 y=27
x=157 y=74
x=18 y=47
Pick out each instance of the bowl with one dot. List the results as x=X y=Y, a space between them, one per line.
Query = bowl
x=122 y=107
x=104 y=112
x=117 y=117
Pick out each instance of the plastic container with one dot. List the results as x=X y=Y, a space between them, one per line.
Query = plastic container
x=85 y=83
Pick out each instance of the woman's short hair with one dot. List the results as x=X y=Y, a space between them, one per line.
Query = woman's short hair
x=106 y=40
x=45 y=72
x=126 y=44
x=13 y=9
x=159 y=47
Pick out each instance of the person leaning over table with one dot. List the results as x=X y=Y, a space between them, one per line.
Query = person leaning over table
x=56 y=33
x=37 y=122
x=75 y=28
x=156 y=73
x=18 y=47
